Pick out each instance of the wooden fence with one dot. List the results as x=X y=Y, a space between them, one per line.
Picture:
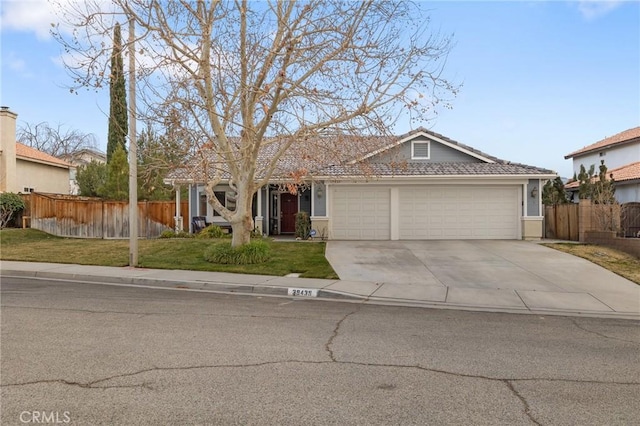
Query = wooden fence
x=567 y=221
x=630 y=220
x=84 y=217
x=561 y=222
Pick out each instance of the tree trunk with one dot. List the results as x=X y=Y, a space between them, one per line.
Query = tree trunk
x=241 y=230
x=241 y=221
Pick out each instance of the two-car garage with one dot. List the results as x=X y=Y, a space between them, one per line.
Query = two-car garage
x=423 y=212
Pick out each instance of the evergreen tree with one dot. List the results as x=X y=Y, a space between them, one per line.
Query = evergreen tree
x=117 y=185
x=553 y=193
x=91 y=179
x=118 y=122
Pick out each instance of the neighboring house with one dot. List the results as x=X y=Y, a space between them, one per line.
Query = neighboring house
x=621 y=155
x=25 y=169
x=79 y=158
x=418 y=186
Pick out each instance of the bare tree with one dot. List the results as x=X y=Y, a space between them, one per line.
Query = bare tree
x=57 y=141
x=244 y=78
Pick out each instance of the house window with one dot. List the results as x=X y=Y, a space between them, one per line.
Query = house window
x=27 y=190
x=224 y=199
x=220 y=196
x=230 y=203
x=202 y=210
x=420 y=150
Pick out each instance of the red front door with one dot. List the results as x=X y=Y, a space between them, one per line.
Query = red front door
x=288 y=210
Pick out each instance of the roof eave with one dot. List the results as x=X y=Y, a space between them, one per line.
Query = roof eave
x=44 y=162
x=439 y=177
x=585 y=151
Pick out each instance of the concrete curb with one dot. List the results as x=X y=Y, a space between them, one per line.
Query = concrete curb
x=282 y=291
x=212 y=286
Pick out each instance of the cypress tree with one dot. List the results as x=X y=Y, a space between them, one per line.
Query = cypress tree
x=118 y=121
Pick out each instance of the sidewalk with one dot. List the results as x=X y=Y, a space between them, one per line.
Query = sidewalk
x=471 y=299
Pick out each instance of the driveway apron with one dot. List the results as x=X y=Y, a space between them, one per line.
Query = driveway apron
x=513 y=274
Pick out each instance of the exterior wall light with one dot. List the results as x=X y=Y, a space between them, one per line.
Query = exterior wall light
x=319 y=192
x=534 y=192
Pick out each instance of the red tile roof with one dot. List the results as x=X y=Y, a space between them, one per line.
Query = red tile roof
x=621 y=174
x=28 y=153
x=620 y=138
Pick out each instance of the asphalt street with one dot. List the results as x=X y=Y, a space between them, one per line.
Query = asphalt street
x=94 y=354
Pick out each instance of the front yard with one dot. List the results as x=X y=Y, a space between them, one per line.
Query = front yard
x=303 y=257
x=616 y=261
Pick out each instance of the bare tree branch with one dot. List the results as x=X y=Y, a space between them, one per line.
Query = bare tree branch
x=242 y=79
x=58 y=141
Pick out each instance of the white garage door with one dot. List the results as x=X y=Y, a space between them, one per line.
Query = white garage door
x=458 y=212
x=360 y=213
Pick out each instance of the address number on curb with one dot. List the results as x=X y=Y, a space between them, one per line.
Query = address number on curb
x=303 y=292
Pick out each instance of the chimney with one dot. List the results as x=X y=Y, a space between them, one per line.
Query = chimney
x=7 y=150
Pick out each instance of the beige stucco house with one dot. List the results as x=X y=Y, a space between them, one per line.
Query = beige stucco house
x=25 y=169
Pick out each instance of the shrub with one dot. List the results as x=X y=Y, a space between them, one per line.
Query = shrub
x=170 y=233
x=212 y=231
x=254 y=252
x=10 y=204
x=303 y=225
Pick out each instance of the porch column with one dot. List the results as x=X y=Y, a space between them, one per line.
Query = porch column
x=178 y=218
x=258 y=219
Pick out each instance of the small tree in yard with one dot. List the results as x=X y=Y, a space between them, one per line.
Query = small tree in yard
x=10 y=204
x=91 y=179
x=553 y=193
x=601 y=190
x=303 y=225
x=240 y=79
x=117 y=184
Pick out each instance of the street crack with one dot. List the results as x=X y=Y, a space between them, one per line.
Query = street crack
x=527 y=409
x=336 y=331
x=509 y=381
x=583 y=328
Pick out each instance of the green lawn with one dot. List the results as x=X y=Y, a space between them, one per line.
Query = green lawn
x=30 y=245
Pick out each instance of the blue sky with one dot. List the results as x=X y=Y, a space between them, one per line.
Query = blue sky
x=539 y=79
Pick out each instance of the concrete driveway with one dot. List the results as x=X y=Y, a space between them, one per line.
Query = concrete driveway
x=484 y=273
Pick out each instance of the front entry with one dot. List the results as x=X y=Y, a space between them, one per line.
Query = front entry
x=288 y=210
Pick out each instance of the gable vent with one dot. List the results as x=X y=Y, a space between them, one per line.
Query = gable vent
x=420 y=150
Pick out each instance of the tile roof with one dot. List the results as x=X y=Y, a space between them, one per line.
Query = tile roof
x=26 y=152
x=434 y=169
x=620 y=174
x=338 y=156
x=451 y=141
x=620 y=138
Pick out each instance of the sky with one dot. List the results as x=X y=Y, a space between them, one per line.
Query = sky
x=539 y=79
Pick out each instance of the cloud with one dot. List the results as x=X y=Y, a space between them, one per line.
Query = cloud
x=15 y=63
x=28 y=16
x=593 y=9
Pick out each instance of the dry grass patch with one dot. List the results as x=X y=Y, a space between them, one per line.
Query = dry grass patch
x=615 y=261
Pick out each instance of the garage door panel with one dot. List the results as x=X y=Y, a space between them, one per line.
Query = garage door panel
x=361 y=213
x=456 y=212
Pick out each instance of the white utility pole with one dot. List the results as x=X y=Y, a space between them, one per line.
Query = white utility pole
x=133 y=152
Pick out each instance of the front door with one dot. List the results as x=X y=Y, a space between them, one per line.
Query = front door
x=288 y=210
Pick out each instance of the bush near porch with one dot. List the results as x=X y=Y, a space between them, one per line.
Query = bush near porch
x=30 y=245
